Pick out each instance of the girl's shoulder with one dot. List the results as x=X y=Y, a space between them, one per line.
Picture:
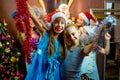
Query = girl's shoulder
x=44 y=39
x=45 y=36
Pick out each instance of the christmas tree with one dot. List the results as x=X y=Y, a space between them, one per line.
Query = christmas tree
x=9 y=56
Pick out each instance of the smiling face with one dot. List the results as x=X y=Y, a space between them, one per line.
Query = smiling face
x=80 y=21
x=72 y=35
x=59 y=25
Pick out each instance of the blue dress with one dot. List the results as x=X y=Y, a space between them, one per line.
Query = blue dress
x=70 y=69
x=89 y=66
x=42 y=66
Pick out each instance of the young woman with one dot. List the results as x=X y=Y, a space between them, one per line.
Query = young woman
x=49 y=54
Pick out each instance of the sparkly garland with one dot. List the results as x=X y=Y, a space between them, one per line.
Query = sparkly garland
x=23 y=24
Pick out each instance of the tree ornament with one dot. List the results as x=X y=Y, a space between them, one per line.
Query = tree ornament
x=17 y=59
x=7 y=50
x=22 y=21
x=7 y=43
x=13 y=59
x=18 y=53
x=16 y=78
x=3 y=37
x=8 y=72
x=0 y=44
x=8 y=55
x=17 y=73
x=12 y=73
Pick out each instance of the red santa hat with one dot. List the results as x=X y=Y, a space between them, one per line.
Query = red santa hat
x=87 y=17
x=52 y=16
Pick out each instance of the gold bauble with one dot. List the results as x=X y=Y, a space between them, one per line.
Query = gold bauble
x=18 y=53
x=12 y=73
x=16 y=78
x=13 y=59
x=7 y=43
x=0 y=44
x=0 y=24
x=17 y=59
x=12 y=41
x=8 y=35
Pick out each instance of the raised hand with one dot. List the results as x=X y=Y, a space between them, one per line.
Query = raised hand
x=40 y=24
x=31 y=10
x=107 y=36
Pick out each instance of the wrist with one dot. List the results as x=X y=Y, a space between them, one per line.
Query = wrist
x=107 y=39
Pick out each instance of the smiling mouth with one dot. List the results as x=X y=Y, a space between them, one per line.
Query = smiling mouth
x=59 y=29
x=78 y=23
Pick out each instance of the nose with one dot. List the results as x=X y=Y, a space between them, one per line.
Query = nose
x=59 y=23
x=71 y=37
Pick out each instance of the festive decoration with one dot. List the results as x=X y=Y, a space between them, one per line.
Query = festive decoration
x=52 y=16
x=91 y=30
x=108 y=23
x=63 y=8
x=87 y=17
x=110 y=20
x=22 y=21
x=9 y=56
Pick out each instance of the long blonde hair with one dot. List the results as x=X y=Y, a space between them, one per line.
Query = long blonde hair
x=66 y=45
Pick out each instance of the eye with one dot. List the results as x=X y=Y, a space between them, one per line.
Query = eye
x=56 y=21
x=73 y=33
x=62 y=22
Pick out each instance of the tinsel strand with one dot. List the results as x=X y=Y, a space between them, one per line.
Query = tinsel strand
x=23 y=14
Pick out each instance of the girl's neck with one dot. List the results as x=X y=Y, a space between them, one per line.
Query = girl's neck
x=56 y=36
x=74 y=46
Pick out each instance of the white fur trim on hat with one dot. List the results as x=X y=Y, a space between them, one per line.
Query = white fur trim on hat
x=85 y=18
x=54 y=16
x=59 y=14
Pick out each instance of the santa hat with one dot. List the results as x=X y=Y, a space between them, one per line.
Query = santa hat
x=91 y=30
x=63 y=7
x=52 y=16
x=87 y=17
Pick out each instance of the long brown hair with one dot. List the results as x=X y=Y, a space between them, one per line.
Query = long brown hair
x=51 y=41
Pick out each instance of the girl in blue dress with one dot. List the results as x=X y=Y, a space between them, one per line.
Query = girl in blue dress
x=49 y=54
